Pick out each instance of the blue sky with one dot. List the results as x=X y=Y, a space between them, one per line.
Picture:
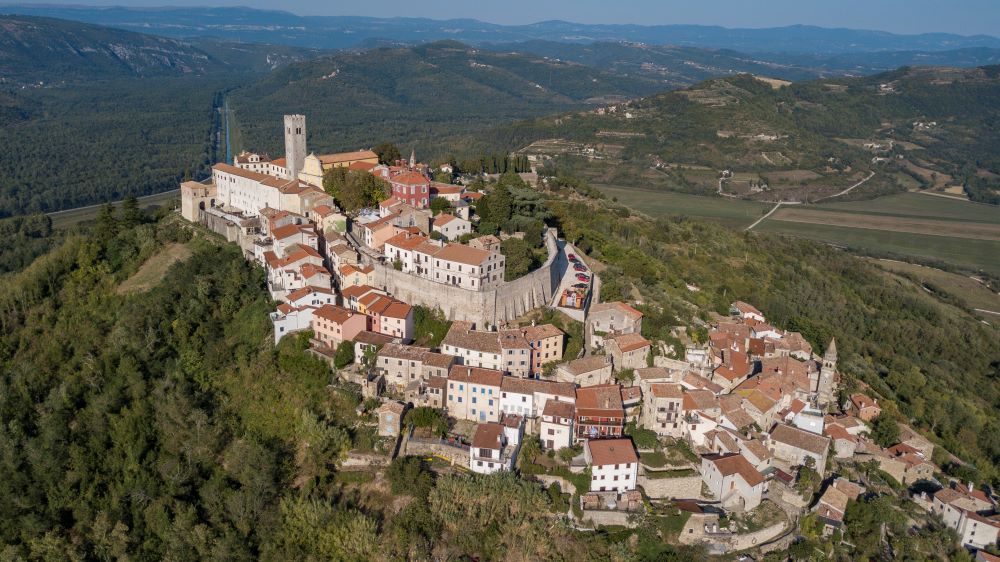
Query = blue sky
x=966 y=17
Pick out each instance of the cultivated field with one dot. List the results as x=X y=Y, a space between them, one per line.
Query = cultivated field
x=731 y=212
x=918 y=205
x=928 y=226
x=971 y=254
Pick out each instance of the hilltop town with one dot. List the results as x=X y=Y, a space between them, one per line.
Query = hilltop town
x=737 y=439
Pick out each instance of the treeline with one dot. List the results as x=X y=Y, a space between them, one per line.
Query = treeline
x=937 y=364
x=105 y=140
x=25 y=238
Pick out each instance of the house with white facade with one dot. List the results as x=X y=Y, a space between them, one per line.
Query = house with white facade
x=733 y=480
x=556 y=429
x=614 y=464
x=473 y=393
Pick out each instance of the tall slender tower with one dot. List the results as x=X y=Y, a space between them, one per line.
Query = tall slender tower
x=413 y=158
x=295 y=144
x=827 y=385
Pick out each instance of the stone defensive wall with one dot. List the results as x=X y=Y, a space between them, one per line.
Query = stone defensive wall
x=486 y=308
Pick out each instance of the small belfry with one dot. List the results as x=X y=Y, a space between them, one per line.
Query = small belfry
x=827 y=376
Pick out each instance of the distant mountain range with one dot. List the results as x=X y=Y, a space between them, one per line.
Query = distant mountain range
x=328 y=32
x=38 y=50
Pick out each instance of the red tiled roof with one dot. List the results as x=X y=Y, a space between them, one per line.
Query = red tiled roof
x=410 y=178
x=488 y=436
x=333 y=313
x=611 y=451
x=475 y=375
x=630 y=342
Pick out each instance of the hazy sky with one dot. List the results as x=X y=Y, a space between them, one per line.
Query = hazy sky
x=965 y=17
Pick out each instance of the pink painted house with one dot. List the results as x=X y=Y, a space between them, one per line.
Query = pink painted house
x=333 y=324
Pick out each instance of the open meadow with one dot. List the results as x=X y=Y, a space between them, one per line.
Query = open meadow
x=922 y=227
x=735 y=213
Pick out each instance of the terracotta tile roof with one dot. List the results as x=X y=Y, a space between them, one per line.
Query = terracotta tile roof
x=700 y=400
x=611 y=451
x=735 y=365
x=518 y=385
x=398 y=309
x=630 y=342
x=735 y=463
x=800 y=439
x=346 y=156
x=488 y=436
x=757 y=449
x=616 y=305
x=585 y=364
x=862 y=401
x=745 y=308
x=558 y=408
x=285 y=308
x=323 y=210
x=838 y=433
x=761 y=401
x=442 y=360
x=665 y=390
x=443 y=219
x=463 y=254
x=541 y=332
x=333 y=313
x=372 y=338
x=513 y=339
x=406 y=241
x=361 y=166
x=437 y=382
x=832 y=504
x=630 y=393
x=699 y=382
x=306 y=291
x=356 y=291
x=438 y=188
x=599 y=398
x=280 y=162
x=475 y=375
x=410 y=178
x=310 y=270
x=393 y=406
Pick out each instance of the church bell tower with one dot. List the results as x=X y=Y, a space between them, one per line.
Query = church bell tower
x=827 y=384
x=295 y=144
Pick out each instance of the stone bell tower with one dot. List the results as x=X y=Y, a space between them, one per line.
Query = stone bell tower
x=295 y=144
x=826 y=389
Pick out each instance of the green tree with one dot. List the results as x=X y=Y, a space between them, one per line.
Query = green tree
x=440 y=205
x=885 y=430
x=387 y=152
x=344 y=355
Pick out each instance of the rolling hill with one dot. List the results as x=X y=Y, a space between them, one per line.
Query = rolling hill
x=411 y=94
x=679 y=66
x=36 y=52
x=916 y=127
x=328 y=32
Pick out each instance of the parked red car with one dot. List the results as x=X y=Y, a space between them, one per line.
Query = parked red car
x=582 y=277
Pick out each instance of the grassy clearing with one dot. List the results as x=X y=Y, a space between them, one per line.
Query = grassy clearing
x=152 y=272
x=972 y=254
x=917 y=205
x=972 y=292
x=916 y=225
x=731 y=212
